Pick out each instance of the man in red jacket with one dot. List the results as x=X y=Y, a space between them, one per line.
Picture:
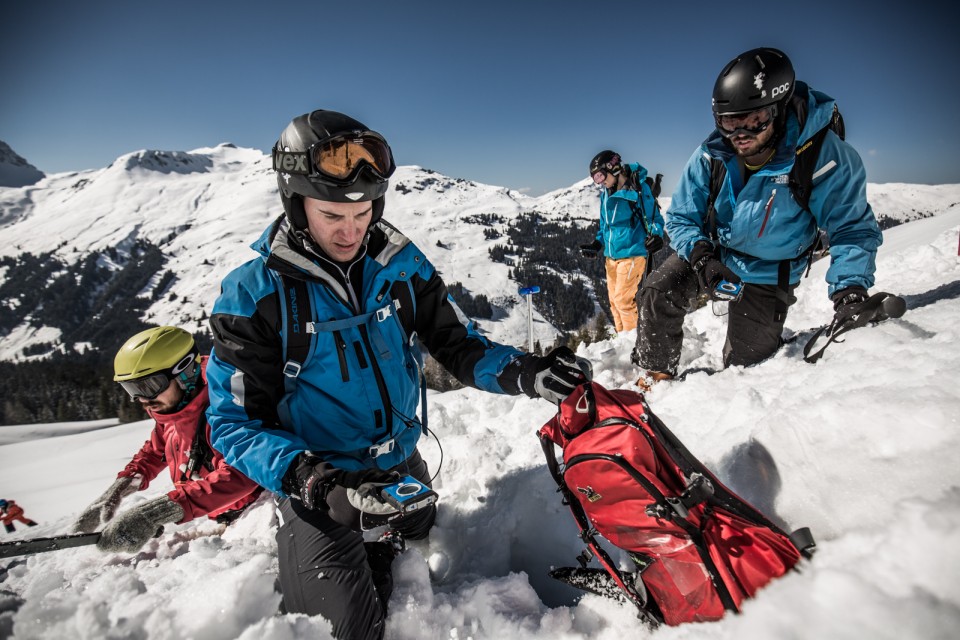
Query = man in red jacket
x=161 y=369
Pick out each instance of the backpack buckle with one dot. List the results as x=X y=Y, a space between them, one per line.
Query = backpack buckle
x=382 y=448
x=383 y=313
x=291 y=369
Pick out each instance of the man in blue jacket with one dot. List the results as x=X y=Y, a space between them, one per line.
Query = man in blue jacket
x=314 y=379
x=631 y=227
x=756 y=233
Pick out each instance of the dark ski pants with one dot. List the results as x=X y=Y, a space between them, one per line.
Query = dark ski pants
x=327 y=569
x=754 y=323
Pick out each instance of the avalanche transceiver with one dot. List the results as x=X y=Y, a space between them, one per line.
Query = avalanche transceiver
x=408 y=494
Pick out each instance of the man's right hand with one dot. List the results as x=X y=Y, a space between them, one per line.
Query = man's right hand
x=314 y=478
x=591 y=250
x=710 y=271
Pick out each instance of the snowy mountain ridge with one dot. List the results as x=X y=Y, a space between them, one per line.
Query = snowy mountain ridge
x=203 y=208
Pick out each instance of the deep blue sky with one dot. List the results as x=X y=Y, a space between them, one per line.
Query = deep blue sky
x=520 y=94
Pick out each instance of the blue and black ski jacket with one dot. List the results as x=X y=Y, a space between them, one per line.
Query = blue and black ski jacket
x=759 y=223
x=625 y=216
x=354 y=399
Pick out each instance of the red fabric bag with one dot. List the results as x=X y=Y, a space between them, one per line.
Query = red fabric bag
x=699 y=549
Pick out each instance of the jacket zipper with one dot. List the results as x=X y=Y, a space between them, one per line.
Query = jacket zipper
x=341 y=355
x=766 y=215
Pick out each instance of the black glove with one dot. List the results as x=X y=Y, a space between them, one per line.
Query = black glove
x=710 y=271
x=554 y=376
x=312 y=479
x=847 y=303
x=653 y=244
x=591 y=250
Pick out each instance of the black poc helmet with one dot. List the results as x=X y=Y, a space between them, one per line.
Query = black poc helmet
x=606 y=160
x=753 y=80
x=330 y=156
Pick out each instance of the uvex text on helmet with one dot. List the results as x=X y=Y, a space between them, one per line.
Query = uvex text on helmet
x=330 y=156
x=755 y=79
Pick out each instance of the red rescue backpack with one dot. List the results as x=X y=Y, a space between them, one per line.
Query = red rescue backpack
x=699 y=549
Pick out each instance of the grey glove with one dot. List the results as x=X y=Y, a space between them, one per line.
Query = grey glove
x=132 y=529
x=554 y=376
x=103 y=508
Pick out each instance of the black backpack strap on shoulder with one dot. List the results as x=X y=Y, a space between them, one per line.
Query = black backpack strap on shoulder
x=637 y=207
x=297 y=317
x=296 y=313
x=718 y=172
x=201 y=455
x=801 y=176
x=804 y=166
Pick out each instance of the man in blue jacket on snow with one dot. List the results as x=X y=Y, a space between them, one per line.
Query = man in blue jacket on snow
x=314 y=378
x=631 y=231
x=758 y=235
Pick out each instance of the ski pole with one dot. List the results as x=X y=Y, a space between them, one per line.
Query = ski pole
x=41 y=545
x=55 y=543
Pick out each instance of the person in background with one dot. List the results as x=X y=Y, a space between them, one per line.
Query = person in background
x=758 y=235
x=162 y=370
x=10 y=511
x=631 y=231
x=315 y=372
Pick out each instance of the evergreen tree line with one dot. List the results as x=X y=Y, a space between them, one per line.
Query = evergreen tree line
x=477 y=306
x=91 y=304
x=546 y=253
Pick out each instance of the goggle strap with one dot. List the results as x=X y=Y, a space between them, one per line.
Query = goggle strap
x=291 y=162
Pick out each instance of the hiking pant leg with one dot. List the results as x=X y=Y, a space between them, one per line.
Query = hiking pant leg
x=753 y=329
x=623 y=281
x=323 y=570
x=663 y=302
x=610 y=266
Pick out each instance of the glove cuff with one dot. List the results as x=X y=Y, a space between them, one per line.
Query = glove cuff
x=702 y=252
x=161 y=510
x=513 y=377
x=850 y=295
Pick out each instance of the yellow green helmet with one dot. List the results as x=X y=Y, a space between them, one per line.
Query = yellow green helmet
x=147 y=362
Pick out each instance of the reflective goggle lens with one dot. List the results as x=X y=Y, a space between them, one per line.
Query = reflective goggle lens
x=750 y=124
x=148 y=387
x=342 y=157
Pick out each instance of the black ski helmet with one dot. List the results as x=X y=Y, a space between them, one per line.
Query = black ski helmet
x=604 y=158
x=297 y=177
x=755 y=79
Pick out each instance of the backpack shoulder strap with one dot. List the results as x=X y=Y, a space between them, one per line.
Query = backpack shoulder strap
x=801 y=176
x=718 y=172
x=296 y=313
x=637 y=207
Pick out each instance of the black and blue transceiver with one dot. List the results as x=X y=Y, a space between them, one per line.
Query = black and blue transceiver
x=408 y=494
x=727 y=290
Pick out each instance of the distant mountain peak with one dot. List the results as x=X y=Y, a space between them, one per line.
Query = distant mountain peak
x=165 y=161
x=15 y=171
